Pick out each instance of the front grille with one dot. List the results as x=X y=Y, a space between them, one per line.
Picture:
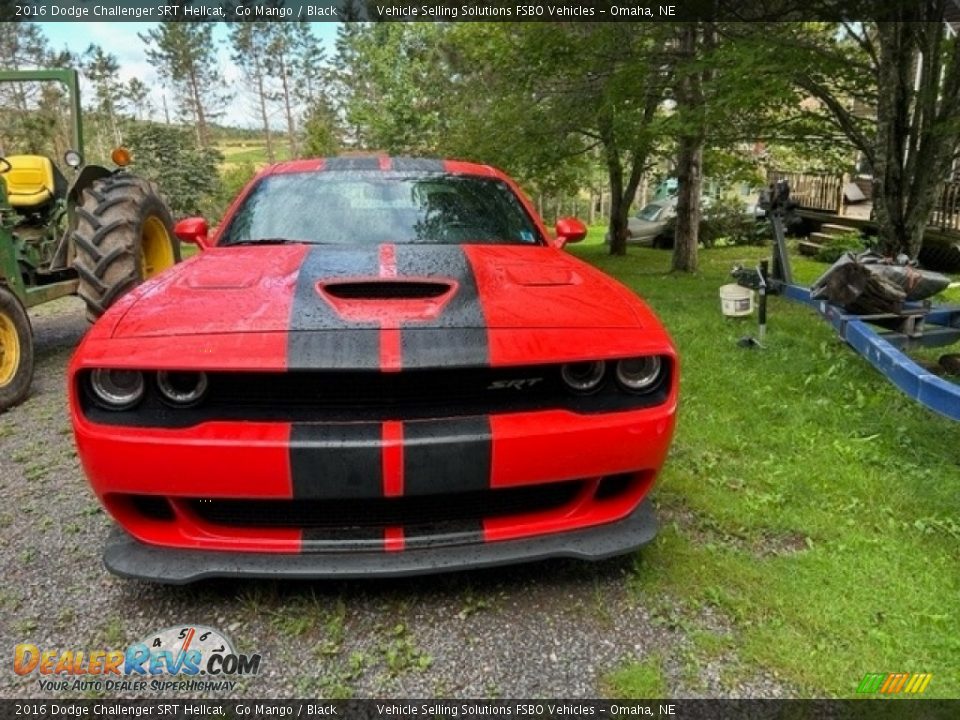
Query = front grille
x=358 y=396
x=386 y=512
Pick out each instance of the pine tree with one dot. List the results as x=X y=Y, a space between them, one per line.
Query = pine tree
x=249 y=41
x=103 y=72
x=184 y=54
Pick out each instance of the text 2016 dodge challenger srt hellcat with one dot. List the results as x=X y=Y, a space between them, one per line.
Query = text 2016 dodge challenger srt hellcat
x=374 y=366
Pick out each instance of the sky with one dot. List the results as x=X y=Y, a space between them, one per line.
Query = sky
x=122 y=40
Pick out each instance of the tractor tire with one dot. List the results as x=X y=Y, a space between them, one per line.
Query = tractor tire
x=123 y=236
x=16 y=350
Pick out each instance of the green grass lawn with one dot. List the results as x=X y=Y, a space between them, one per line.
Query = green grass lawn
x=255 y=153
x=805 y=500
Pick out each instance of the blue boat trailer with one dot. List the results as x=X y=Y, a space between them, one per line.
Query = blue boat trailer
x=879 y=338
x=882 y=345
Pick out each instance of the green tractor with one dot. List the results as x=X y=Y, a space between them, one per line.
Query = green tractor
x=97 y=235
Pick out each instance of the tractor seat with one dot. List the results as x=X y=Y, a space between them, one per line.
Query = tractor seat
x=32 y=181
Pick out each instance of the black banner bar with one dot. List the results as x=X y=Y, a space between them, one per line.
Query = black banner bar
x=448 y=10
x=175 y=708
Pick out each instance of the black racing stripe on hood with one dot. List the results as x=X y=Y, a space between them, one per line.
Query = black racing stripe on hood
x=352 y=163
x=331 y=460
x=408 y=164
x=458 y=336
x=451 y=455
x=319 y=338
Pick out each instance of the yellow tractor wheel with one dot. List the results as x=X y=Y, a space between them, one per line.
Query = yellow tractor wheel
x=123 y=236
x=16 y=350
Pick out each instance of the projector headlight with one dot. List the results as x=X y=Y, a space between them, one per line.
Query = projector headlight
x=117 y=389
x=182 y=388
x=639 y=374
x=583 y=377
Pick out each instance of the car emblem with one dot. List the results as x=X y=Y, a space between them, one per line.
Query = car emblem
x=519 y=384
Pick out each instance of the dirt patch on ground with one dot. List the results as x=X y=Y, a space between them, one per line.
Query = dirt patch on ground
x=705 y=531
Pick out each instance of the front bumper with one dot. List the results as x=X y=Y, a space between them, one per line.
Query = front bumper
x=394 y=487
x=130 y=558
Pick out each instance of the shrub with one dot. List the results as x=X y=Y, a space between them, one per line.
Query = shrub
x=728 y=220
x=840 y=244
x=232 y=182
x=188 y=175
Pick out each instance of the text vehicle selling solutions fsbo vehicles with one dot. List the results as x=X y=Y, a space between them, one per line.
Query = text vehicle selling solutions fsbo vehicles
x=374 y=366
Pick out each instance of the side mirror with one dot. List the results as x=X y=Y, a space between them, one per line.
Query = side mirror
x=570 y=230
x=192 y=230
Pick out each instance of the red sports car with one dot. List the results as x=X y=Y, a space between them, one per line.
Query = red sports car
x=374 y=366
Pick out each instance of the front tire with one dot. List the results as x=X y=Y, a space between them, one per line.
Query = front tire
x=124 y=235
x=16 y=350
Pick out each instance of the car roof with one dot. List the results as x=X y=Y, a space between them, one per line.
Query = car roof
x=384 y=163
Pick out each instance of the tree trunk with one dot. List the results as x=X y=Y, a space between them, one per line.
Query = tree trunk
x=621 y=192
x=917 y=74
x=690 y=157
x=912 y=151
x=203 y=135
x=262 y=95
x=619 y=219
x=690 y=181
x=117 y=139
x=291 y=124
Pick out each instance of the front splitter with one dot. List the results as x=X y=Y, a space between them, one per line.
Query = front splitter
x=127 y=557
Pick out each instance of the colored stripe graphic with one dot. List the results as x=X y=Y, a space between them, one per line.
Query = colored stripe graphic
x=871 y=682
x=458 y=336
x=393 y=540
x=889 y=682
x=453 y=531
x=319 y=539
x=312 y=345
x=407 y=164
x=894 y=683
x=898 y=684
x=352 y=163
x=336 y=460
x=447 y=456
x=392 y=459
x=391 y=356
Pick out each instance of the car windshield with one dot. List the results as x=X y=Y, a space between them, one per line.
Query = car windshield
x=358 y=207
x=650 y=212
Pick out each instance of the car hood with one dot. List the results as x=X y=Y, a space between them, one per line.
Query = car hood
x=290 y=288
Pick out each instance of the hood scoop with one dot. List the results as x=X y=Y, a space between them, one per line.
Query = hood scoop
x=387 y=301
x=387 y=290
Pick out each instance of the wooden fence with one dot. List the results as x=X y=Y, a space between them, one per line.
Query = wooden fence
x=822 y=191
x=946 y=213
x=814 y=191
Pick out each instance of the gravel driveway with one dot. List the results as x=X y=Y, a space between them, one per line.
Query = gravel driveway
x=552 y=629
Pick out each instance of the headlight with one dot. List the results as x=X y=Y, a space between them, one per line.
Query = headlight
x=182 y=388
x=583 y=377
x=639 y=374
x=73 y=159
x=117 y=389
